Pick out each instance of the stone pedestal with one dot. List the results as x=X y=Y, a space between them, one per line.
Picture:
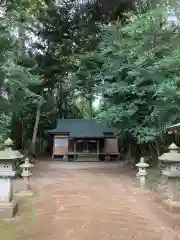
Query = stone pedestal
x=8 y=207
x=172 y=204
x=174 y=189
x=8 y=210
x=26 y=192
x=142 y=180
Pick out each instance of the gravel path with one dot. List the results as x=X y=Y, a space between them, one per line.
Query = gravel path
x=95 y=201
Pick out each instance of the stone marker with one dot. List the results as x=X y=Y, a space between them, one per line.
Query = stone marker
x=142 y=173
x=171 y=170
x=26 y=175
x=8 y=207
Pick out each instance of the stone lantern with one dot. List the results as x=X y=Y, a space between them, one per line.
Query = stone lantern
x=26 y=166
x=8 y=207
x=142 y=173
x=171 y=170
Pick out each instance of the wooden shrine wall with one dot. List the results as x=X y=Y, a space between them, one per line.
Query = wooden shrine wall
x=60 y=145
x=111 y=145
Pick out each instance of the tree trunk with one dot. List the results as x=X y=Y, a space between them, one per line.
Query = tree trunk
x=16 y=127
x=35 y=131
x=157 y=148
x=90 y=110
x=16 y=131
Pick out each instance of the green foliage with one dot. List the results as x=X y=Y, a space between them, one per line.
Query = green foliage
x=140 y=72
x=86 y=81
x=86 y=74
x=5 y=126
x=16 y=76
x=65 y=31
x=16 y=84
x=45 y=45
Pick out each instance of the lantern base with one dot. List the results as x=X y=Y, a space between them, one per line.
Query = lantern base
x=171 y=206
x=8 y=210
x=28 y=193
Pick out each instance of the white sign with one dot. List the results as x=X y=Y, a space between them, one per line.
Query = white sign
x=5 y=188
x=61 y=142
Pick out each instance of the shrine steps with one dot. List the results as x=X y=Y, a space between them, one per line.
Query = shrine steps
x=87 y=157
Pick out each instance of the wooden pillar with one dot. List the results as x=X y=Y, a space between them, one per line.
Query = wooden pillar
x=74 y=149
x=98 y=146
x=53 y=147
x=87 y=146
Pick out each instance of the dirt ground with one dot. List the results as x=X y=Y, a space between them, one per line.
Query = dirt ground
x=95 y=201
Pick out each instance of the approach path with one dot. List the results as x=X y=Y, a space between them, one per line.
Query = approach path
x=95 y=201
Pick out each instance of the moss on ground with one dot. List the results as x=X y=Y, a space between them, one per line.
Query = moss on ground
x=16 y=228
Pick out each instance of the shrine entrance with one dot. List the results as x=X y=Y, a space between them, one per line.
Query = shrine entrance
x=87 y=146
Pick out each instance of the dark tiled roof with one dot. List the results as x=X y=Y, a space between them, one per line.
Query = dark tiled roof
x=80 y=128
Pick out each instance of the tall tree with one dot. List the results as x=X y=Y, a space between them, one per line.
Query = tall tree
x=18 y=76
x=140 y=69
x=86 y=79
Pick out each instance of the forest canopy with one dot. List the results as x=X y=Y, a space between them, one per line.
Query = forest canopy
x=60 y=58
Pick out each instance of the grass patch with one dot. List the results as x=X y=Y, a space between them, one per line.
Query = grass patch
x=16 y=228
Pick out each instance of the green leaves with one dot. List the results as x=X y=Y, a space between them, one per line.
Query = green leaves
x=5 y=123
x=140 y=73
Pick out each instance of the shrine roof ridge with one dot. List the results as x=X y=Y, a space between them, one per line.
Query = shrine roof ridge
x=82 y=128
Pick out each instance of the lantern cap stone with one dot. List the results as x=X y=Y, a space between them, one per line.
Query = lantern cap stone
x=142 y=164
x=170 y=157
x=173 y=146
x=26 y=164
x=8 y=143
x=173 y=156
x=9 y=153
